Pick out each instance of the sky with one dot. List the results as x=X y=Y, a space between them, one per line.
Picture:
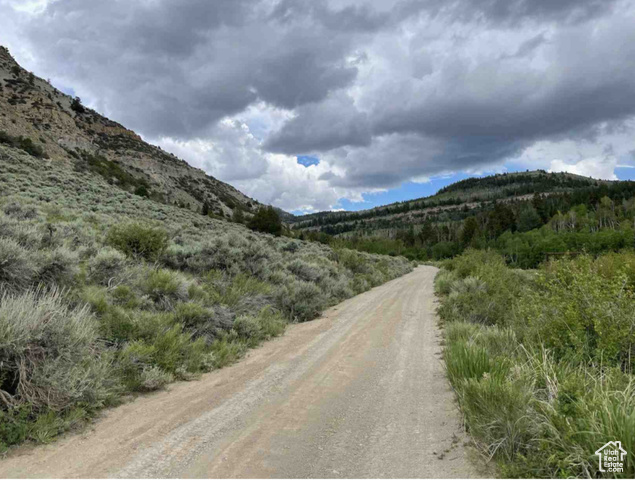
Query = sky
x=347 y=104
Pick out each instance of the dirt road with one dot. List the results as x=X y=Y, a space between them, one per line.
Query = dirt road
x=360 y=392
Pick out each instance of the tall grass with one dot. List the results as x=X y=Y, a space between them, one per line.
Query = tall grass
x=541 y=364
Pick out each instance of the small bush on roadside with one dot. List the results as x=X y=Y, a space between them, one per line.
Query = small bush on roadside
x=443 y=282
x=51 y=356
x=166 y=287
x=301 y=301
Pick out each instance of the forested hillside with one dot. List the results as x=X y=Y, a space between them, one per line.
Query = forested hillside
x=525 y=216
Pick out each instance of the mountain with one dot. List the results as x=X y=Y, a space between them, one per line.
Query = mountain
x=450 y=204
x=61 y=129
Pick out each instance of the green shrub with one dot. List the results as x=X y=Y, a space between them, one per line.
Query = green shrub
x=306 y=271
x=226 y=350
x=580 y=314
x=301 y=301
x=137 y=240
x=254 y=330
x=134 y=363
x=177 y=353
x=465 y=360
x=106 y=265
x=443 y=281
x=124 y=296
x=118 y=325
x=473 y=261
x=242 y=286
x=203 y=321
x=51 y=356
x=20 y=212
x=23 y=143
x=17 y=271
x=166 y=287
x=498 y=413
x=161 y=355
x=272 y=323
x=58 y=266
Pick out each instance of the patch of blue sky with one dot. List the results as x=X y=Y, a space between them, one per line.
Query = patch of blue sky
x=307 y=160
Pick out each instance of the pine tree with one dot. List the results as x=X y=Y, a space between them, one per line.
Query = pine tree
x=266 y=220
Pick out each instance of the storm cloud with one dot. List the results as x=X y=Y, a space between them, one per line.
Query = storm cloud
x=381 y=91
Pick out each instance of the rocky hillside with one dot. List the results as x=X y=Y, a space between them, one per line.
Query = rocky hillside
x=40 y=119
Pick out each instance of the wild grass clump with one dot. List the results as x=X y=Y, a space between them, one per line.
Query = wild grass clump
x=549 y=382
x=57 y=267
x=166 y=287
x=443 y=282
x=301 y=300
x=17 y=270
x=106 y=265
x=52 y=359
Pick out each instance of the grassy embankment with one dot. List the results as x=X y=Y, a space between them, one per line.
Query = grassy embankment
x=104 y=293
x=542 y=361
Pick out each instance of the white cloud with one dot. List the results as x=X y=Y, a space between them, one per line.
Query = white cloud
x=234 y=155
x=600 y=168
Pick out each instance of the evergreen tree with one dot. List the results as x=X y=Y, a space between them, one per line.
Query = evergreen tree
x=469 y=231
x=528 y=219
x=266 y=220
x=77 y=106
x=238 y=216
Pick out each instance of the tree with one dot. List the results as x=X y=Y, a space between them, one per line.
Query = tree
x=528 y=219
x=469 y=231
x=205 y=209
x=266 y=220
x=142 y=191
x=238 y=216
x=76 y=105
x=500 y=220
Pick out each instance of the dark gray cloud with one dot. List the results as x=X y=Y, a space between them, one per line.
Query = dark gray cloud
x=512 y=12
x=174 y=68
x=299 y=73
x=321 y=127
x=351 y=18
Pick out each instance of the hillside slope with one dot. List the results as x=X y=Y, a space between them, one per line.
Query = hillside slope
x=80 y=138
x=452 y=203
